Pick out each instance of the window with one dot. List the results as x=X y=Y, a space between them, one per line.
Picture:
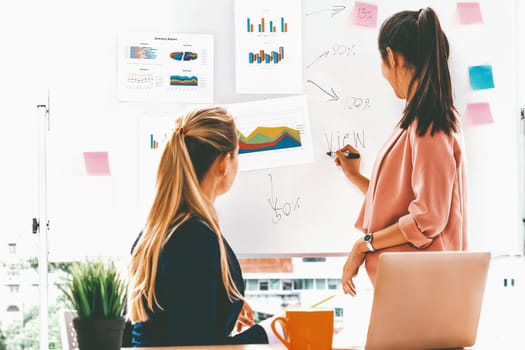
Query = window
x=19 y=312
x=287 y=284
x=338 y=312
x=263 y=285
x=275 y=284
x=308 y=283
x=320 y=283
x=298 y=284
x=251 y=284
x=334 y=283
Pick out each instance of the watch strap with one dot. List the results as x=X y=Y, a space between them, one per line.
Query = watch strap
x=368 y=243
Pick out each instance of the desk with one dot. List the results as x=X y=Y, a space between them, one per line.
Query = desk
x=501 y=323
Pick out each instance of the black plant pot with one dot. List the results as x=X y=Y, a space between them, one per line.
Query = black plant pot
x=99 y=334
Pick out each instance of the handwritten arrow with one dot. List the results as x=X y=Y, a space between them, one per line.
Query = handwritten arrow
x=272 y=201
x=333 y=95
x=334 y=10
x=324 y=54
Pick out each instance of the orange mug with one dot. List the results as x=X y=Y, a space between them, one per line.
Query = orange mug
x=306 y=329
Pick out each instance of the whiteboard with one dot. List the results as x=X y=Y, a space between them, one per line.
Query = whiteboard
x=311 y=209
x=306 y=209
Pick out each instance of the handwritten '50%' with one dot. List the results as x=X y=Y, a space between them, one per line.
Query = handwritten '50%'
x=285 y=209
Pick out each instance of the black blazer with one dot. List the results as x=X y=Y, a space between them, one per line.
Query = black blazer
x=195 y=306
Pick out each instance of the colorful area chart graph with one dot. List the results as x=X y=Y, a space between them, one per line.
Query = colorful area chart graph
x=269 y=139
x=273 y=132
x=267 y=58
x=182 y=80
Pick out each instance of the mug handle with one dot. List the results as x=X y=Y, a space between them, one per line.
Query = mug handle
x=282 y=321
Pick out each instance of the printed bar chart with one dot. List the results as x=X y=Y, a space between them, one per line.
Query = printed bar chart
x=266 y=58
x=142 y=52
x=154 y=144
x=158 y=141
x=262 y=27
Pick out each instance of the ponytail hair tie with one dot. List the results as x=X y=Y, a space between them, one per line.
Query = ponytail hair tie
x=181 y=130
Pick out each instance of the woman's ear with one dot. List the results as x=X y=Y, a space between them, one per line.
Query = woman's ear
x=224 y=164
x=391 y=57
x=395 y=59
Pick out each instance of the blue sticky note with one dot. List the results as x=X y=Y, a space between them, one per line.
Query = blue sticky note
x=481 y=77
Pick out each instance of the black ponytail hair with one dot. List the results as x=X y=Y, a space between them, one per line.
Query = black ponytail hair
x=417 y=35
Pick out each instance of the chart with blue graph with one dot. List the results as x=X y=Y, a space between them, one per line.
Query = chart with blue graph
x=273 y=132
x=184 y=80
x=268 y=47
x=265 y=138
x=166 y=67
x=266 y=26
x=265 y=57
x=142 y=52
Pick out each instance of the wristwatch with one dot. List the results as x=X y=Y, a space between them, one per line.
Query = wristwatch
x=368 y=242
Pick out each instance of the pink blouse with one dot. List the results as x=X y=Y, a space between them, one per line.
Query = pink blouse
x=418 y=182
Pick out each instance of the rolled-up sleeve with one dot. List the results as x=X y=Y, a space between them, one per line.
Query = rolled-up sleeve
x=433 y=174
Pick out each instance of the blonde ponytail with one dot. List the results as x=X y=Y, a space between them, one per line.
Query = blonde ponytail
x=201 y=136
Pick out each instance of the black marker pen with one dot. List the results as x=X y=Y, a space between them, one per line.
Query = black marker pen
x=348 y=154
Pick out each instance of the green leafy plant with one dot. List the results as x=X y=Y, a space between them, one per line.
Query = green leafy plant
x=96 y=290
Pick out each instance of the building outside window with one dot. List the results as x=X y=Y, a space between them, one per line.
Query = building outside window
x=308 y=283
x=251 y=284
x=272 y=285
x=333 y=283
x=320 y=283
x=275 y=284
x=298 y=284
x=263 y=285
x=287 y=284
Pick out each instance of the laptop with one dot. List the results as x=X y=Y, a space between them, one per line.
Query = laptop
x=427 y=300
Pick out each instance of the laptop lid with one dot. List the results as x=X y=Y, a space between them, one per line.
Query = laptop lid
x=427 y=300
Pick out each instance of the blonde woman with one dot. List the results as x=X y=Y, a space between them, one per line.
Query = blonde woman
x=185 y=282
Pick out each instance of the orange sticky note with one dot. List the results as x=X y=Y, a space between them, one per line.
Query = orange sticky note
x=97 y=163
x=469 y=12
x=365 y=14
x=478 y=113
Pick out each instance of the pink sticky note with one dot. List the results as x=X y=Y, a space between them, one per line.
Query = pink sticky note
x=97 y=163
x=469 y=12
x=479 y=113
x=365 y=14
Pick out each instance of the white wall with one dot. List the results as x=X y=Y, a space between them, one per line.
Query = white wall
x=69 y=48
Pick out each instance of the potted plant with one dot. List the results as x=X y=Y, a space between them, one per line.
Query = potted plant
x=98 y=295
